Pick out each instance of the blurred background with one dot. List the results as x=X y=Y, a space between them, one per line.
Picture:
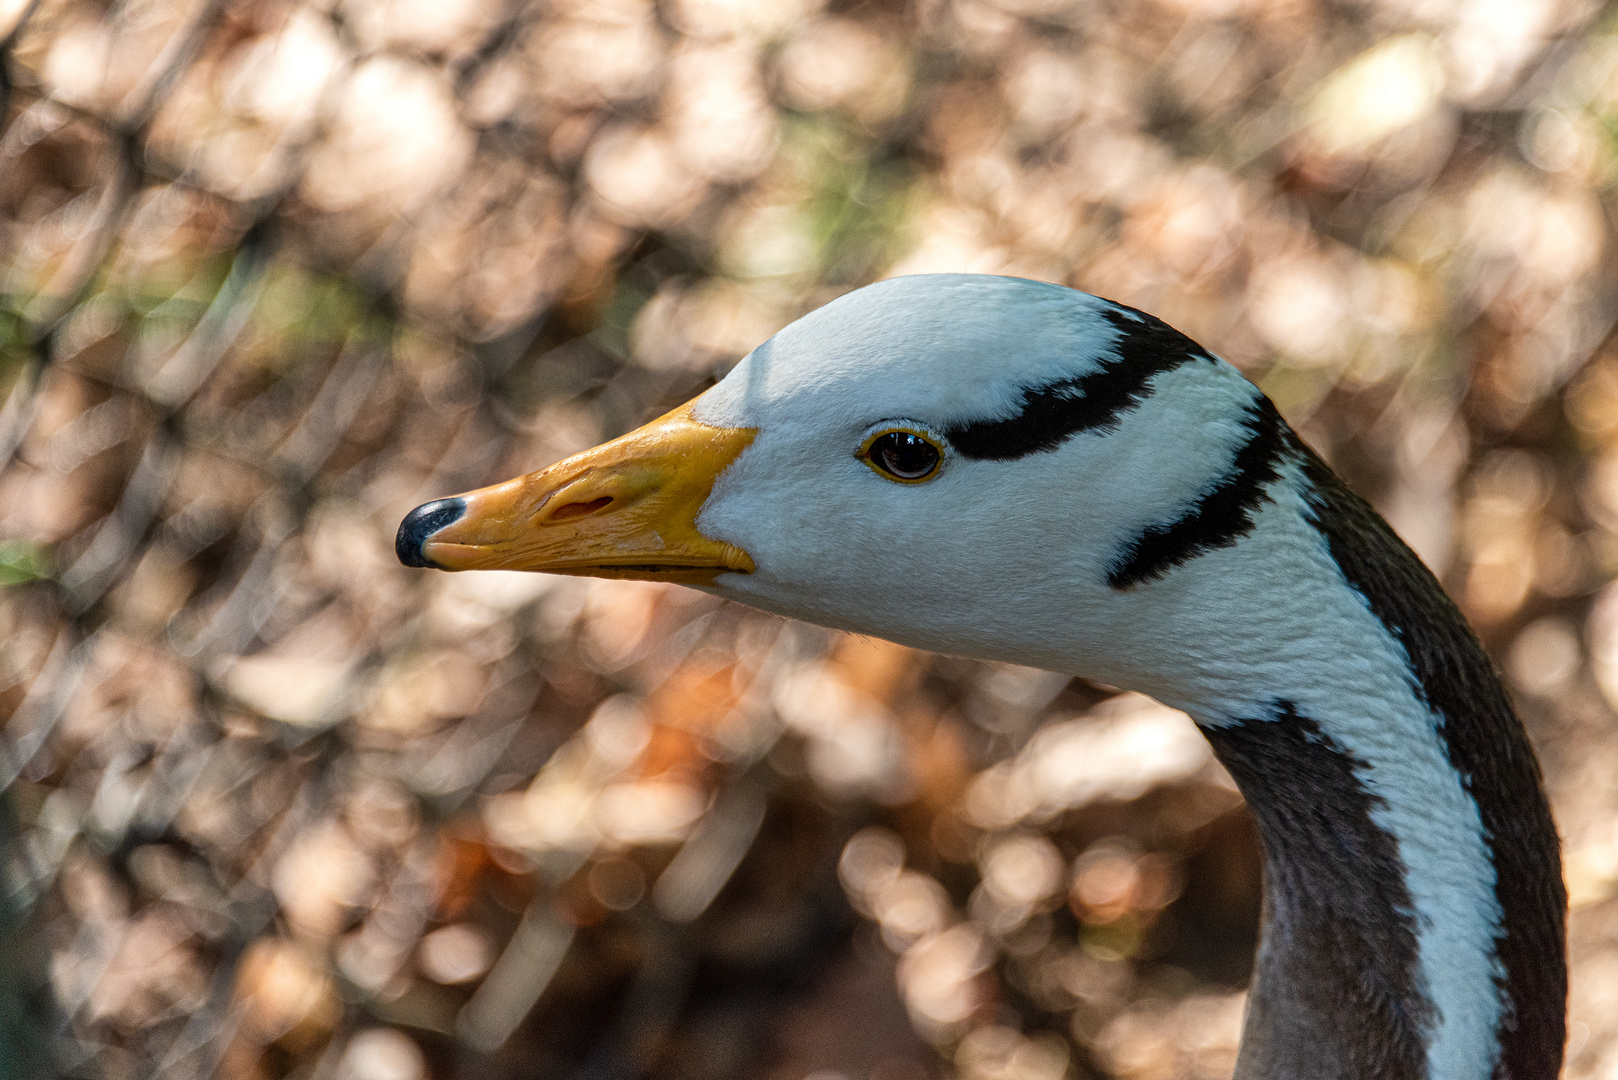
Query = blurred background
x=272 y=273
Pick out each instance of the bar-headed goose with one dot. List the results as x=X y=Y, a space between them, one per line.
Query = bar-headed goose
x=1011 y=470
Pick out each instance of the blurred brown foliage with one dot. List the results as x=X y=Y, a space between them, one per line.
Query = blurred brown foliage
x=273 y=272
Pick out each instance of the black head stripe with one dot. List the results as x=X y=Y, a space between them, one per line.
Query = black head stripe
x=1218 y=518
x=1054 y=412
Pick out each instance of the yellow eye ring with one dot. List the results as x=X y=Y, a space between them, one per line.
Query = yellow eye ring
x=903 y=454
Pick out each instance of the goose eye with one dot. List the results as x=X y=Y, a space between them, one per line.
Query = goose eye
x=909 y=457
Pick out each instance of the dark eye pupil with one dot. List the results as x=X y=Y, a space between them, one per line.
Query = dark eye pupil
x=906 y=456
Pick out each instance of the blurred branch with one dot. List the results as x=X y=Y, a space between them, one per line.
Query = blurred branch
x=8 y=45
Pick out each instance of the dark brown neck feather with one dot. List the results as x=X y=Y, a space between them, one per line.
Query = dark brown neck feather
x=1336 y=989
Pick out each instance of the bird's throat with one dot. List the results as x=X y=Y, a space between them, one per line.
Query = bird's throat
x=1337 y=988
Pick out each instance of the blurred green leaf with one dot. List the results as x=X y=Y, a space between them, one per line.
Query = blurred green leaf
x=13 y=345
x=859 y=198
x=22 y=561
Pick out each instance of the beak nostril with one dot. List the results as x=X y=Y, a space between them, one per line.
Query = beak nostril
x=578 y=509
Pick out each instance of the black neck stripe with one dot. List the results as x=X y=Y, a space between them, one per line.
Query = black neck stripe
x=1220 y=517
x=1337 y=991
x=1487 y=745
x=1054 y=412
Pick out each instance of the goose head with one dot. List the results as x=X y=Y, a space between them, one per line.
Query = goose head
x=1015 y=471
x=958 y=463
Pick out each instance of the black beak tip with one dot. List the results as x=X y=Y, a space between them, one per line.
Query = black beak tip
x=420 y=524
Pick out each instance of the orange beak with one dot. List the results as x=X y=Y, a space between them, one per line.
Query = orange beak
x=625 y=509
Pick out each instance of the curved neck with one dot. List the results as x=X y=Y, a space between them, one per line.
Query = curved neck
x=1413 y=905
x=1337 y=988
